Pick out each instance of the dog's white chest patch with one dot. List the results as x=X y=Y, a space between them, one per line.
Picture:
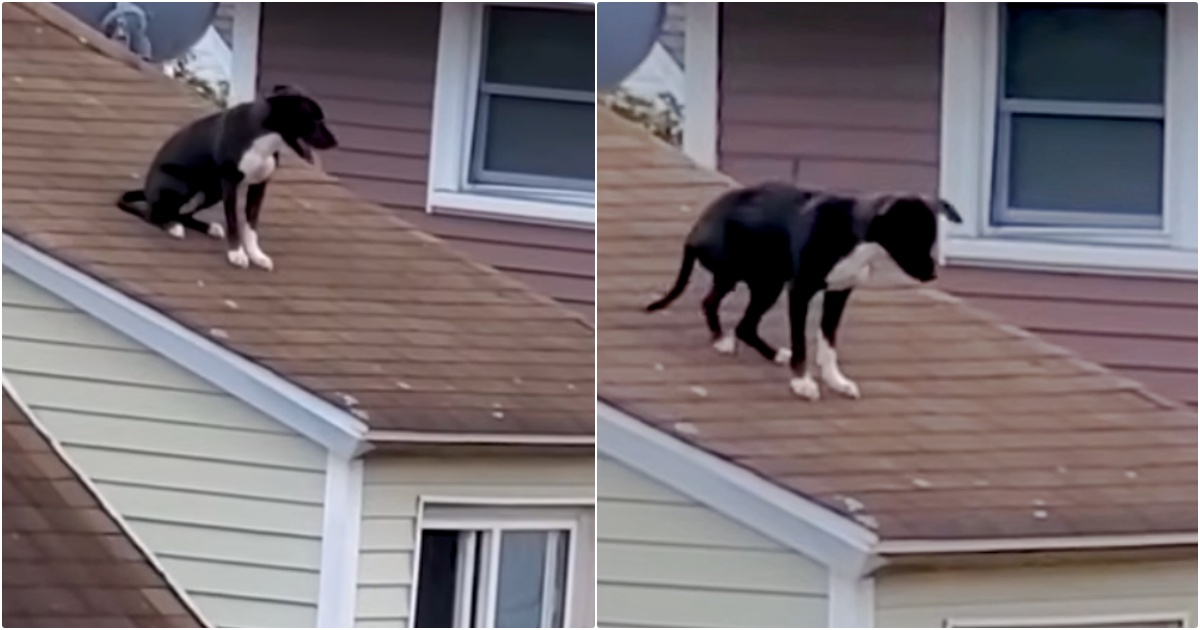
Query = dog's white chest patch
x=258 y=162
x=854 y=269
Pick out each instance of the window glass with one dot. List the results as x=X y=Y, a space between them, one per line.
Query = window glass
x=1079 y=164
x=540 y=47
x=540 y=137
x=1106 y=53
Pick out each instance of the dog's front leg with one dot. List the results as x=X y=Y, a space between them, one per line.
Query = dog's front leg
x=235 y=252
x=827 y=361
x=803 y=384
x=254 y=200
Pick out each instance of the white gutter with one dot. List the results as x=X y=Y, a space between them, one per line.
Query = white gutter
x=480 y=439
x=1050 y=543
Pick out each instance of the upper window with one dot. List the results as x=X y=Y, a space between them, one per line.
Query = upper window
x=1080 y=118
x=514 y=111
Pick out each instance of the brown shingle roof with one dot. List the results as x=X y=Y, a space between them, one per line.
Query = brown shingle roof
x=968 y=427
x=360 y=304
x=66 y=561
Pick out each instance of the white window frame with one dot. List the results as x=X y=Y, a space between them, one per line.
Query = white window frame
x=970 y=63
x=495 y=525
x=1078 y=621
x=455 y=102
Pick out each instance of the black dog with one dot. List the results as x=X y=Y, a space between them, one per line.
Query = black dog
x=216 y=157
x=774 y=234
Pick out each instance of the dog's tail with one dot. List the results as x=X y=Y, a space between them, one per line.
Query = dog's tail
x=134 y=202
x=685 y=273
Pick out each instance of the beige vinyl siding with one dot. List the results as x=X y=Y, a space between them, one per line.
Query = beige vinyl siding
x=229 y=500
x=1043 y=593
x=667 y=561
x=391 y=490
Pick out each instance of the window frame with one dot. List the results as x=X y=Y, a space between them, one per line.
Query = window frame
x=971 y=65
x=457 y=120
x=496 y=517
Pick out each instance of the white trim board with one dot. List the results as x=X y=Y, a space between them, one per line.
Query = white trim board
x=107 y=507
x=793 y=521
x=299 y=410
x=851 y=601
x=454 y=101
x=247 y=25
x=701 y=87
x=1070 y=621
x=970 y=62
x=341 y=527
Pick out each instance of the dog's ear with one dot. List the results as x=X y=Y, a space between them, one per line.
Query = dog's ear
x=945 y=209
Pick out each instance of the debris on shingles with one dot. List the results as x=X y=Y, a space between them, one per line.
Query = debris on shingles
x=362 y=414
x=685 y=208
x=219 y=333
x=851 y=504
x=686 y=428
x=499 y=415
x=231 y=304
x=921 y=483
x=18 y=79
x=982 y=482
x=571 y=386
x=1039 y=502
x=403 y=385
x=347 y=399
x=518 y=380
x=658 y=367
x=200 y=283
x=1062 y=470
x=699 y=391
x=867 y=521
x=1040 y=514
x=1131 y=474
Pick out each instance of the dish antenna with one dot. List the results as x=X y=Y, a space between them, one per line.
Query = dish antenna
x=625 y=33
x=155 y=31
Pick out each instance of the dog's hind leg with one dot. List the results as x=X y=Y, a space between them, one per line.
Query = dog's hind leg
x=164 y=212
x=762 y=297
x=721 y=287
x=187 y=216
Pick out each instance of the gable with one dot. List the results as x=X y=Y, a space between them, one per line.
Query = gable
x=226 y=498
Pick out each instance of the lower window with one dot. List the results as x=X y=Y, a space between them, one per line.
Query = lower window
x=493 y=577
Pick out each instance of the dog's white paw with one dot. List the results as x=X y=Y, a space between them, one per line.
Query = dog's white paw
x=806 y=387
x=783 y=356
x=726 y=344
x=238 y=258
x=842 y=385
x=216 y=230
x=261 y=259
x=175 y=230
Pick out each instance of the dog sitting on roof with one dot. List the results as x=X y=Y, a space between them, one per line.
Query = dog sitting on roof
x=228 y=156
x=774 y=234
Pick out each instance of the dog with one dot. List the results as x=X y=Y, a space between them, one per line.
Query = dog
x=224 y=157
x=772 y=235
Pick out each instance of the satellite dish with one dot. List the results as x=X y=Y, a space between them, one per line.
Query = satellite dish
x=625 y=33
x=155 y=31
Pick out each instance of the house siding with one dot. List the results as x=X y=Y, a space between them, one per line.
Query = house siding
x=667 y=561
x=391 y=492
x=373 y=68
x=226 y=498
x=847 y=97
x=929 y=600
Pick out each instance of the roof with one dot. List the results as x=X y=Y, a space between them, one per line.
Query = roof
x=362 y=309
x=969 y=428
x=67 y=562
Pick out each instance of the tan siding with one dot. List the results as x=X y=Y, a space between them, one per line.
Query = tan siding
x=372 y=66
x=229 y=500
x=666 y=561
x=928 y=600
x=391 y=491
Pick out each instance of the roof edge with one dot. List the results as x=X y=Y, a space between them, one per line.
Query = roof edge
x=107 y=507
x=844 y=546
x=480 y=439
x=302 y=411
x=1048 y=543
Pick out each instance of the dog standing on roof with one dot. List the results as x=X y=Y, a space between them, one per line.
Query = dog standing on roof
x=774 y=235
x=227 y=157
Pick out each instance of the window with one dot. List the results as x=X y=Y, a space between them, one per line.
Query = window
x=514 y=111
x=1079 y=138
x=1068 y=137
x=499 y=567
